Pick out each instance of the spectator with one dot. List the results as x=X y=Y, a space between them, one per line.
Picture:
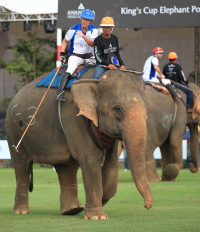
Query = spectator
x=126 y=166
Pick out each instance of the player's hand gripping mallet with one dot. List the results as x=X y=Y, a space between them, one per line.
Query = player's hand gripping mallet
x=16 y=147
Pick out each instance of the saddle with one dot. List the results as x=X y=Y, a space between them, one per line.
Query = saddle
x=45 y=80
x=158 y=87
x=77 y=72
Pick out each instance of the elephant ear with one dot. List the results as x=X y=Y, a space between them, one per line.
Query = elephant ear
x=86 y=95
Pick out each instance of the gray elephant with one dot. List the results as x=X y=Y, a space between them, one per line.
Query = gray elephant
x=59 y=135
x=166 y=126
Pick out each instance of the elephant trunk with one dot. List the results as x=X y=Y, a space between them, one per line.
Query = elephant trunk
x=134 y=124
x=194 y=147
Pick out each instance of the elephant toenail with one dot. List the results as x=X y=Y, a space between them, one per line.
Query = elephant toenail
x=95 y=218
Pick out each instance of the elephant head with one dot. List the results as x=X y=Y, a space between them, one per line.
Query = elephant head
x=193 y=123
x=117 y=105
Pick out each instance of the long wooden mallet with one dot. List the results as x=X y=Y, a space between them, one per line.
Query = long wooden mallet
x=124 y=70
x=184 y=87
x=16 y=147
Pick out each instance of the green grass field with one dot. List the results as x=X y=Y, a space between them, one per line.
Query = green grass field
x=176 y=205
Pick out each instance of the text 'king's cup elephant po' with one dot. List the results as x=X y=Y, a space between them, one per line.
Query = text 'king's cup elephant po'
x=60 y=135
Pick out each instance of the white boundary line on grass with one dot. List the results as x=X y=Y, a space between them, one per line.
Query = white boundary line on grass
x=36 y=185
x=81 y=185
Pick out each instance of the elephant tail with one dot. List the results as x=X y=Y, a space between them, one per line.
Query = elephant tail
x=31 y=182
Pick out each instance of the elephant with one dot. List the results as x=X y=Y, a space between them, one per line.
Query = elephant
x=166 y=125
x=111 y=108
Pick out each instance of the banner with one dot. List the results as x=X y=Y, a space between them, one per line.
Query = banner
x=133 y=14
x=4 y=150
x=157 y=153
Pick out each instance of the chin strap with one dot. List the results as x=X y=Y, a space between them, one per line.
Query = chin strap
x=87 y=122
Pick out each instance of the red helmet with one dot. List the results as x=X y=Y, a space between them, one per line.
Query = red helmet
x=157 y=50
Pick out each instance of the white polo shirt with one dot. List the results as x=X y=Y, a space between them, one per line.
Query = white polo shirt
x=77 y=43
x=149 y=70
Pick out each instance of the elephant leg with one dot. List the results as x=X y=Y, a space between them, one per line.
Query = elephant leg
x=69 y=203
x=22 y=172
x=110 y=175
x=93 y=187
x=171 y=160
x=152 y=174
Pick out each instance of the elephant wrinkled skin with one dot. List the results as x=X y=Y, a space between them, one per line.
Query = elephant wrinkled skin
x=116 y=103
x=166 y=129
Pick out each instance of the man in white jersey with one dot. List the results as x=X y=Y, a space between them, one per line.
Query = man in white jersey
x=152 y=72
x=81 y=37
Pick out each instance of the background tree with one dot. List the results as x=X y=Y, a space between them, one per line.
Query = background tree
x=32 y=57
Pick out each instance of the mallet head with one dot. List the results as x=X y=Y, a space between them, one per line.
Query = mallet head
x=15 y=148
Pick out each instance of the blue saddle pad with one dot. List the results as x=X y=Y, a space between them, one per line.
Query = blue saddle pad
x=46 y=80
x=147 y=83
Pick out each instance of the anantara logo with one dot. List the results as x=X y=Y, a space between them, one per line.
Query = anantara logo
x=74 y=14
x=81 y=7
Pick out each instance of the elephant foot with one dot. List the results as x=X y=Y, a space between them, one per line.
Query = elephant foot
x=164 y=178
x=151 y=171
x=72 y=210
x=21 y=210
x=95 y=216
x=193 y=169
x=171 y=171
x=155 y=178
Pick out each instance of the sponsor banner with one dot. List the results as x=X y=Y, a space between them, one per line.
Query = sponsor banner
x=157 y=153
x=133 y=14
x=4 y=150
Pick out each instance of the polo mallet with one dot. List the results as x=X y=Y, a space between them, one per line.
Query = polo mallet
x=124 y=70
x=16 y=147
x=184 y=87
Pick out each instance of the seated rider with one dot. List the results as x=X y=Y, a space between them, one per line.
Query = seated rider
x=81 y=37
x=174 y=72
x=106 y=49
x=152 y=72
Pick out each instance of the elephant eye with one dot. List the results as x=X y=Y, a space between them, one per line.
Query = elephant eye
x=118 y=111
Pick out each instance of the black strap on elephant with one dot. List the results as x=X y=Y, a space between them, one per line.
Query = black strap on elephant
x=87 y=122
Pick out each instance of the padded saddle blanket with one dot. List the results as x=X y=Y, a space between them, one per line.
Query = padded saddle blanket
x=47 y=78
x=159 y=88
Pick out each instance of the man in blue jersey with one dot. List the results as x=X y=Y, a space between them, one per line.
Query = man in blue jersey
x=81 y=37
x=152 y=72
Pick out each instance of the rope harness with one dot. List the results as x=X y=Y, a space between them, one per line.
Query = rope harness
x=89 y=129
x=87 y=123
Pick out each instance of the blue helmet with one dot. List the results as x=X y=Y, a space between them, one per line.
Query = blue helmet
x=87 y=14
